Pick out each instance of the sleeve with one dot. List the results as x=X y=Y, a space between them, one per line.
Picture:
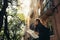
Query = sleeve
x=36 y=29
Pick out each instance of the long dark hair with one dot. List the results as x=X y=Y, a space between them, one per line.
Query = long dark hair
x=38 y=21
x=40 y=24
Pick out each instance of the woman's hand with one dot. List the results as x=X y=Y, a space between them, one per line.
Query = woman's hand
x=37 y=33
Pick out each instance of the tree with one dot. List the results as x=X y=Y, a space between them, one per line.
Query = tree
x=2 y=14
x=10 y=29
x=21 y=17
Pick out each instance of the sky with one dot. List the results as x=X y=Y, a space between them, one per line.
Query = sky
x=25 y=7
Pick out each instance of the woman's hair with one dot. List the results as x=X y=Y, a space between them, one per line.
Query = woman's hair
x=38 y=21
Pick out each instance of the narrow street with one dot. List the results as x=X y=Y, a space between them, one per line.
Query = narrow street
x=29 y=19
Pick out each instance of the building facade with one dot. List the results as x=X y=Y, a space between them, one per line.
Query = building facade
x=34 y=10
x=50 y=14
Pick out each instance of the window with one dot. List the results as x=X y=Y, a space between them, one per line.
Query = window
x=39 y=10
x=50 y=27
x=44 y=2
x=45 y=8
x=47 y=5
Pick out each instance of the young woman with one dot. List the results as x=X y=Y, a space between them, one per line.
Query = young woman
x=41 y=30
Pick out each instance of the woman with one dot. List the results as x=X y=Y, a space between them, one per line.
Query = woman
x=41 y=30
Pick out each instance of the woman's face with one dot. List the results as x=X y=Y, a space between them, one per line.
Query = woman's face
x=36 y=22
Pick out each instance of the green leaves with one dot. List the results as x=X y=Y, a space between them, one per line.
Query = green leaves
x=21 y=16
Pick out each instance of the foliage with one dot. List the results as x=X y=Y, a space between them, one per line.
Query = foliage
x=14 y=22
x=21 y=17
x=0 y=5
x=14 y=27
